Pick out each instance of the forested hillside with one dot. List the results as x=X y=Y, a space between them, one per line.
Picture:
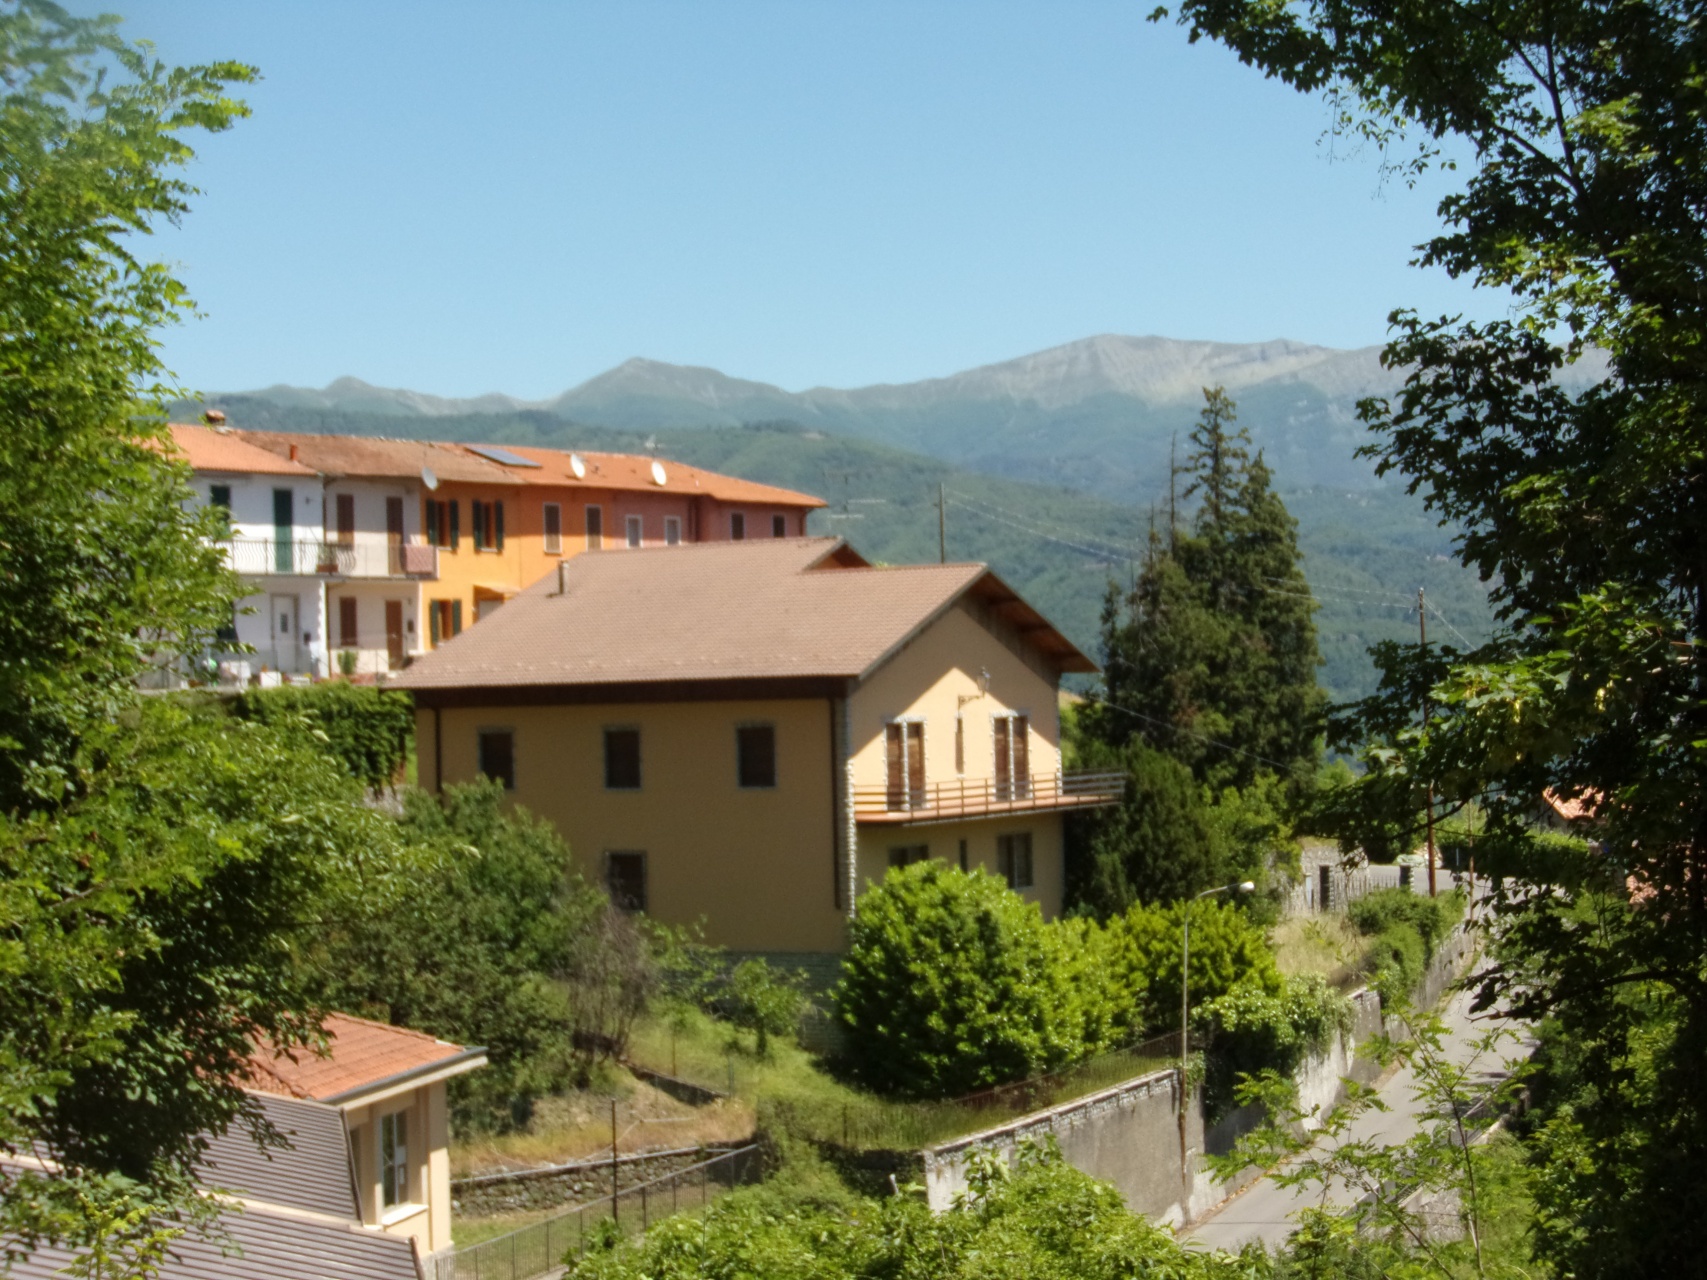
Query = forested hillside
x=1366 y=550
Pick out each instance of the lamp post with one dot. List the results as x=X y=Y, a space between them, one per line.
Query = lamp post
x=1243 y=886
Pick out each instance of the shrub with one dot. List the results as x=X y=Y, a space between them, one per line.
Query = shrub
x=1250 y=1029
x=1397 y=957
x=766 y=1001
x=1430 y=918
x=953 y=983
x=1142 y=954
x=366 y=728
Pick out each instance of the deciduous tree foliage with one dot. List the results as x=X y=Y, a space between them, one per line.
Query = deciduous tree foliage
x=158 y=869
x=1587 y=514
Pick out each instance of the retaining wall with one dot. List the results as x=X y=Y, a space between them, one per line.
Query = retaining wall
x=1129 y=1135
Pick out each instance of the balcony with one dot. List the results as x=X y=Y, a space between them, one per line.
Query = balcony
x=261 y=557
x=986 y=797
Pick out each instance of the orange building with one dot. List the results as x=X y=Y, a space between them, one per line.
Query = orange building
x=502 y=517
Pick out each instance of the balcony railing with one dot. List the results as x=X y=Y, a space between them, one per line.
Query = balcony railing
x=986 y=797
x=259 y=557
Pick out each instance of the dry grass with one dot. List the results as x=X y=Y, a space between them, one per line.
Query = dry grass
x=576 y=1126
x=1325 y=944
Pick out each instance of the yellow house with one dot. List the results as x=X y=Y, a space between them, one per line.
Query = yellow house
x=749 y=733
x=389 y=1085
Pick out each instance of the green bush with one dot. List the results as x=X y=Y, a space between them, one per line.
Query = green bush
x=766 y=1001
x=1397 y=956
x=367 y=728
x=953 y=983
x=1250 y=1030
x=1431 y=918
x=1142 y=955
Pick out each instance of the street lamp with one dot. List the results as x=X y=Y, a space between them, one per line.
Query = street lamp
x=1243 y=886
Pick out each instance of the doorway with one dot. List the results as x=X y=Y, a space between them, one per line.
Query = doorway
x=284 y=637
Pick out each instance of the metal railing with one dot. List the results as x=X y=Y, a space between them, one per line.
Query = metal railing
x=977 y=797
x=543 y=1246
x=260 y=557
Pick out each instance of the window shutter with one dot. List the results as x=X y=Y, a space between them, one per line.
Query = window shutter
x=433 y=622
x=1004 y=760
x=897 y=767
x=455 y=524
x=1022 y=755
x=456 y=617
x=916 y=762
x=477 y=518
x=498 y=524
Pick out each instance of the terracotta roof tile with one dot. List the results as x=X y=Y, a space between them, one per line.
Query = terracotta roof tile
x=762 y=609
x=362 y=1054
x=208 y=449
x=381 y=458
x=634 y=471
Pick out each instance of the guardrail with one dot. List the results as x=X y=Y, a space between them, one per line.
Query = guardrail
x=261 y=557
x=980 y=797
x=542 y=1246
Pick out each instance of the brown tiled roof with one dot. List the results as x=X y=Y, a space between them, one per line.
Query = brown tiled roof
x=634 y=471
x=362 y=1055
x=208 y=449
x=758 y=610
x=379 y=458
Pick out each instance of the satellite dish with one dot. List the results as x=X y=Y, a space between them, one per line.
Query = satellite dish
x=428 y=478
x=658 y=476
x=578 y=465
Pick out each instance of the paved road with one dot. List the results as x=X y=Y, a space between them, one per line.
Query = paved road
x=1263 y=1211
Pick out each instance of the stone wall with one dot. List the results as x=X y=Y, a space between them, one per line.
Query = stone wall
x=561 y=1185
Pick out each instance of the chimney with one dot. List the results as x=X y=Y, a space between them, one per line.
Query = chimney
x=293 y=453
x=214 y=417
x=562 y=577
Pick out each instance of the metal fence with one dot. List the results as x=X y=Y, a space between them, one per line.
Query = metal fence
x=543 y=1246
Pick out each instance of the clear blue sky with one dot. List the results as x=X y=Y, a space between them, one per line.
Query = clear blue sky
x=516 y=196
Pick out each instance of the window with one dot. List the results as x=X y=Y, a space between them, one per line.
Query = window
x=635 y=530
x=488 y=521
x=755 y=755
x=444 y=524
x=348 y=635
x=219 y=495
x=595 y=528
x=625 y=878
x=1013 y=859
x=737 y=526
x=497 y=756
x=1013 y=757
x=444 y=619
x=672 y=531
x=346 y=506
x=779 y=526
x=622 y=759
x=906 y=855
x=906 y=751
x=394 y=1159
x=553 y=529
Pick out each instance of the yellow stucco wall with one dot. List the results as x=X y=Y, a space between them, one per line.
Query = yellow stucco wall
x=426 y=1217
x=757 y=865
x=943 y=842
x=928 y=679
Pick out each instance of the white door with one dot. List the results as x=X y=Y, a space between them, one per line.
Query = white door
x=286 y=631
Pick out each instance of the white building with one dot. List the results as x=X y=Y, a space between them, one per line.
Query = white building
x=336 y=562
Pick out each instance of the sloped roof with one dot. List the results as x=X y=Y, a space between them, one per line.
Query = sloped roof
x=380 y=458
x=209 y=449
x=784 y=608
x=362 y=1056
x=265 y=1245
x=632 y=471
x=312 y=1172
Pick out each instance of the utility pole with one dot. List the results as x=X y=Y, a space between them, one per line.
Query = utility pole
x=1422 y=636
x=942 y=522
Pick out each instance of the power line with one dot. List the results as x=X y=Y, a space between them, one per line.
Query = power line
x=1103 y=553
x=1190 y=733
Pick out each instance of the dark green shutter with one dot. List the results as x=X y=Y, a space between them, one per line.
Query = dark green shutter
x=456 y=617
x=455 y=524
x=433 y=622
x=498 y=525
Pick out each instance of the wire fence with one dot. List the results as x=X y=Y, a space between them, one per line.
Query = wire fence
x=546 y=1245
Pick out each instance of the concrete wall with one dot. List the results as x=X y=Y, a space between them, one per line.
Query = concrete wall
x=1129 y=1135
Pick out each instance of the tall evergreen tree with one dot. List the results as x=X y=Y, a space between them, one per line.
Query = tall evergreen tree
x=1211 y=657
